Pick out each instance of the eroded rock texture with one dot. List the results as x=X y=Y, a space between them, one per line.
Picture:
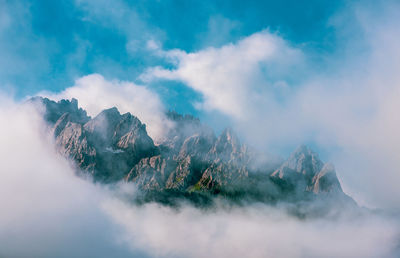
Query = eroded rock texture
x=112 y=147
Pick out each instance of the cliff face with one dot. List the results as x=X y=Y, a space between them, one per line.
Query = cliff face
x=307 y=172
x=191 y=159
x=106 y=146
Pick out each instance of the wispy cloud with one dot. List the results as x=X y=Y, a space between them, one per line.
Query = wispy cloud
x=236 y=78
x=272 y=92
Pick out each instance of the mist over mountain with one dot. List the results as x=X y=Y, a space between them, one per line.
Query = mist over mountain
x=194 y=129
x=100 y=203
x=190 y=163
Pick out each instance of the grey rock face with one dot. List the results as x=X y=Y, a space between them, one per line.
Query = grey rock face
x=308 y=172
x=302 y=161
x=54 y=110
x=106 y=147
x=114 y=146
x=149 y=173
x=325 y=180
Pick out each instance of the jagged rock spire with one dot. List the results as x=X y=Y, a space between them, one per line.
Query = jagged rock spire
x=305 y=167
x=114 y=146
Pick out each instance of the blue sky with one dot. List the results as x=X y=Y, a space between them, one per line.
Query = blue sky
x=49 y=44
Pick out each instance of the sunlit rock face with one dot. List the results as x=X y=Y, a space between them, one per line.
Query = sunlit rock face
x=189 y=160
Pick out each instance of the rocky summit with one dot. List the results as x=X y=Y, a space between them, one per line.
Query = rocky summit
x=190 y=162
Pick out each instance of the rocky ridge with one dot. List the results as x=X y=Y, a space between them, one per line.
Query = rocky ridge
x=111 y=147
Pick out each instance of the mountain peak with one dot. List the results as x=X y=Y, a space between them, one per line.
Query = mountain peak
x=54 y=110
x=227 y=143
x=304 y=167
x=104 y=122
x=110 y=112
x=303 y=160
x=302 y=149
x=114 y=146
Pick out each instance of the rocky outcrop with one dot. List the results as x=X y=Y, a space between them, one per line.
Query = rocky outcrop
x=106 y=146
x=190 y=159
x=325 y=180
x=306 y=172
x=52 y=110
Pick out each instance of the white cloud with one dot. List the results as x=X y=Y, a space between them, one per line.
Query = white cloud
x=348 y=110
x=355 y=107
x=254 y=231
x=231 y=78
x=95 y=93
x=48 y=212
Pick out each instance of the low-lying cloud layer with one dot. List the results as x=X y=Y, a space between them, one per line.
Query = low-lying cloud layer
x=254 y=231
x=46 y=210
x=49 y=212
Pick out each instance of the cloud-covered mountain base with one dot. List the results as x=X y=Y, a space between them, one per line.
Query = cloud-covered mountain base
x=191 y=163
x=47 y=211
x=253 y=231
